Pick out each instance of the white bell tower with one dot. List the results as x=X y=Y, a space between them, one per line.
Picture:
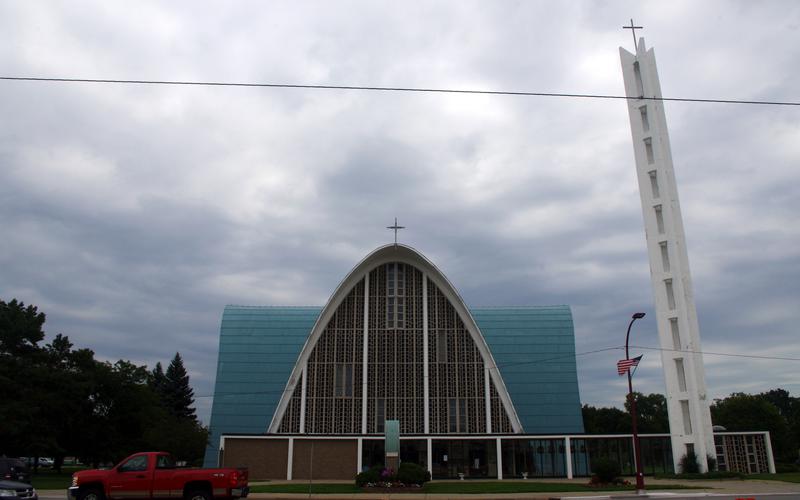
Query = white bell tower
x=678 y=330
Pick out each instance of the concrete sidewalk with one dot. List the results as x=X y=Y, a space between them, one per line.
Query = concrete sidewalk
x=737 y=487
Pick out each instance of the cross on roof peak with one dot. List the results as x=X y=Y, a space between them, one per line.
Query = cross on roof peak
x=395 y=227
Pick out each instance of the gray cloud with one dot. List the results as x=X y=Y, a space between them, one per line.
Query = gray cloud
x=132 y=214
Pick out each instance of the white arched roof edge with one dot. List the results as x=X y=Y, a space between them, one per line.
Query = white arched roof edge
x=379 y=256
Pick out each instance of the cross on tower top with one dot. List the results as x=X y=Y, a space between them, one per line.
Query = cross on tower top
x=395 y=227
x=633 y=32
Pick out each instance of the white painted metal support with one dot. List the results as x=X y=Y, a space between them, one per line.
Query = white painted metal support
x=487 y=396
x=364 y=363
x=568 y=456
x=430 y=456
x=359 y=463
x=499 y=458
x=289 y=460
x=425 y=360
x=303 y=394
x=770 y=458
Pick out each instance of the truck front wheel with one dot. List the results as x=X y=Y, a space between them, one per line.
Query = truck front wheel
x=196 y=495
x=91 y=494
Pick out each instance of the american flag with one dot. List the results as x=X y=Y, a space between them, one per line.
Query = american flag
x=624 y=365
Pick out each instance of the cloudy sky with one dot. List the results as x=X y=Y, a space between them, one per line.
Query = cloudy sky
x=132 y=214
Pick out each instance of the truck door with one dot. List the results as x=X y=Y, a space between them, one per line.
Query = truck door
x=131 y=479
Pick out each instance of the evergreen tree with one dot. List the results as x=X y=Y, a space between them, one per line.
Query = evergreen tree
x=158 y=381
x=179 y=395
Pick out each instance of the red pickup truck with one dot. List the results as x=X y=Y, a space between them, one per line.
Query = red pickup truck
x=154 y=475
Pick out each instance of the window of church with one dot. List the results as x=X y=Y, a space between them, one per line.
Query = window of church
x=380 y=415
x=648 y=148
x=645 y=121
x=676 y=336
x=452 y=414
x=395 y=295
x=654 y=183
x=659 y=219
x=681 y=373
x=441 y=347
x=637 y=73
x=457 y=415
x=670 y=294
x=343 y=380
x=687 y=419
x=664 y=256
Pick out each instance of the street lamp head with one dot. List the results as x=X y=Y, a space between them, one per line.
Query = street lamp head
x=638 y=315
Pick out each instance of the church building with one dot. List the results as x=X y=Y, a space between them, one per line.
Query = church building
x=394 y=342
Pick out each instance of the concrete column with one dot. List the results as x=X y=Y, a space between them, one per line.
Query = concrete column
x=568 y=456
x=303 y=394
x=770 y=458
x=430 y=456
x=364 y=361
x=487 y=397
x=359 y=463
x=499 y=458
x=425 y=360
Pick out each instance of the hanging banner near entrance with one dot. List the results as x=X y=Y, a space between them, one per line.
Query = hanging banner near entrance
x=392 y=444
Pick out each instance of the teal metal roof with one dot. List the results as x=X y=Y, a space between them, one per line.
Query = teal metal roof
x=533 y=347
x=258 y=347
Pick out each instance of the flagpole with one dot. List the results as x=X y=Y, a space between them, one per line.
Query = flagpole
x=637 y=452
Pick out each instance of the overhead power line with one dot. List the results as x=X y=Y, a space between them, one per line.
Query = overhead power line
x=751 y=356
x=393 y=89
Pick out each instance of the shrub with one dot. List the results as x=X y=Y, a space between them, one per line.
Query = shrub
x=370 y=476
x=689 y=463
x=411 y=473
x=712 y=463
x=782 y=468
x=606 y=470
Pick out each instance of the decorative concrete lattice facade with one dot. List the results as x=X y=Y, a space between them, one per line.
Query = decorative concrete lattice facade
x=750 y=453
x=403 y=311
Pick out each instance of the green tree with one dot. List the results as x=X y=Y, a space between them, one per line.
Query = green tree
x=179 y=395
x=745 y=412
x=651 y=412
x=56 y=400
x=605 y=420
x=20 y=329
x=23 y=394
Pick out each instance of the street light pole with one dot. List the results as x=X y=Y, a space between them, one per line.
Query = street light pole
x=637 y=452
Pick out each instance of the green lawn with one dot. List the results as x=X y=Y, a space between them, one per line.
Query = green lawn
x=48 y=479
x=303 y=488
x=465 y=487
x=789 y=477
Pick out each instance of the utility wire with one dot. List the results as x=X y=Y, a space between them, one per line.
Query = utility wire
x=393 y=89
x=752 y=356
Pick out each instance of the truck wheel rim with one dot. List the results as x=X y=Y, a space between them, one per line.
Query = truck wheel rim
x=197 y=496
